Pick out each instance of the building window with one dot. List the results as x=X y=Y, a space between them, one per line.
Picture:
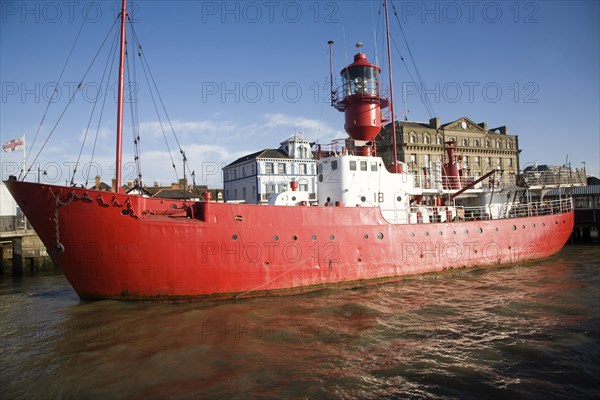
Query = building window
x=363 y=165
x=488 y=161
x=352 y=165
x=498 y=144
x=438 y=140
x=465 y=160
x=426 y=160
x=243 y=171
x=302 y=169
x=499 y=160
x=253 y=191
x=477 y=162
x=465 y=142
x=373 y=165
x=426 y=139
x=510 y=162
x=508 y=144
x=334 y=165
x=583 y=202
x=413 y=138
x=244 y=193
x=235 y=194
x=269 y=168
x=303 y=187
x=413 y=158
x=487 y=143
x=477 y=143
x=281 y=169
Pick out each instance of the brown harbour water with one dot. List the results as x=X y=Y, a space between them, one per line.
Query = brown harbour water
x=530 y=331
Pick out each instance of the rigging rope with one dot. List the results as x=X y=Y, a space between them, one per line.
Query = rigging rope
x=68 y=103
x=425 y=98
x=134 y=115
x=154 y=88
x=111 y=63
x=53 y=94
x=106 y=68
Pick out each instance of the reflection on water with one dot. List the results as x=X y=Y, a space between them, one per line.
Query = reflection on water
x=529 y=331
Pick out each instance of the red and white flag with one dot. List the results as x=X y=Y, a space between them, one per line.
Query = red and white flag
x=13 y=144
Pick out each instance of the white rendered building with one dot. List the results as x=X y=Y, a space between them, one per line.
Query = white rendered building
x=255 y=177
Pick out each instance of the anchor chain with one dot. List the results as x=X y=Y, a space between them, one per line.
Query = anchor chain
x=58 y=246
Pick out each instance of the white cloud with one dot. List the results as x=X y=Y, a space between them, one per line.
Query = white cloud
x=209 y=146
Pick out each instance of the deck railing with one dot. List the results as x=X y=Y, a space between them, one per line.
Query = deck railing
x=504 y=211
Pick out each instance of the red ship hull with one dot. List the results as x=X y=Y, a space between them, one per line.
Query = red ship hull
x=133 y=248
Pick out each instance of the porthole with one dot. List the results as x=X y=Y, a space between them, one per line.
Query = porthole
x=454 y=232
x=426 y=233
x=467 y=231
x=380 y=236
x=480 y=230
x=124 y=212
x=275 y=238
x=331 y=237
x=174 y=206
x=234 y=237
x=399 y=198
x=366 y=235
x=514 y=227
x=293 y=198
x=294 y=237
x=440 y=233
x=412 y=234
x=533 y=225
x=523 y=227
x=363 y=198
x=314 y=237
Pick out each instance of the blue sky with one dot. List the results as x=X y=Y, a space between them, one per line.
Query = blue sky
x=240 y=76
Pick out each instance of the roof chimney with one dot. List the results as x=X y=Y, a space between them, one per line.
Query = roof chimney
x=434 y=123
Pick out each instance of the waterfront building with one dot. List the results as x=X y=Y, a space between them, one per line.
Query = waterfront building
x=421 y=146
x=255 y=177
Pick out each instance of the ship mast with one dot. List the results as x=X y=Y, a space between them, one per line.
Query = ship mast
x=121 y=78
x=391 y=106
